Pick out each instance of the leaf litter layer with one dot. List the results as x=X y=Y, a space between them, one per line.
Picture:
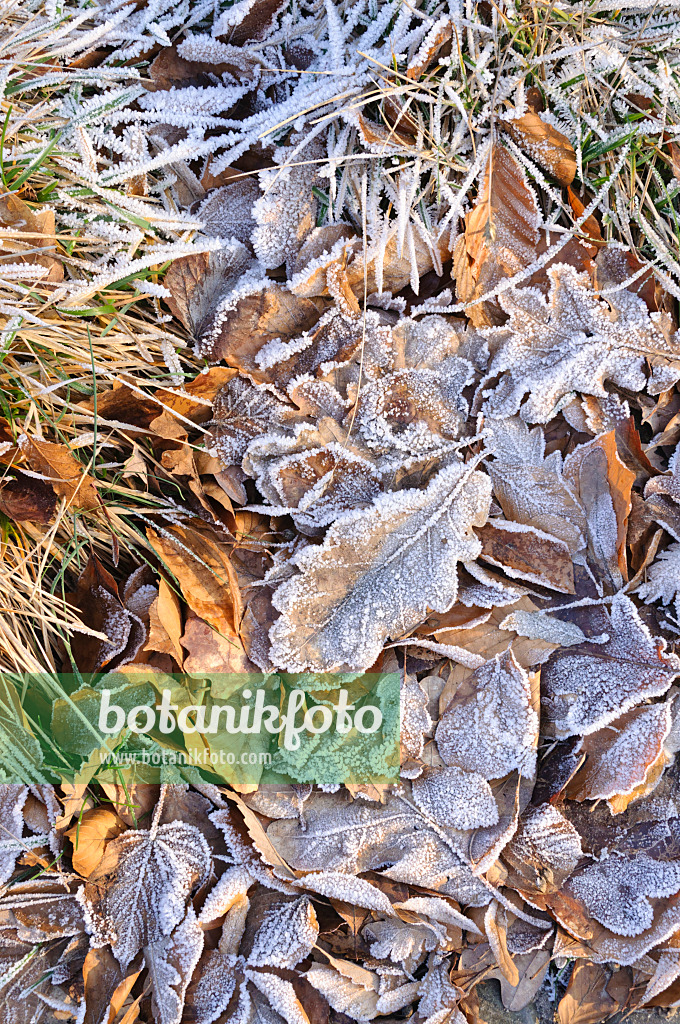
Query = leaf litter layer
x=342 y=338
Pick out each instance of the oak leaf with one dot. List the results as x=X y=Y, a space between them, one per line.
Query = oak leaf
x=585 y=688
x=573 y=341
x=390 y=563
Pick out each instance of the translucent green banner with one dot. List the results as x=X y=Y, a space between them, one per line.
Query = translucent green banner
x=142 y=725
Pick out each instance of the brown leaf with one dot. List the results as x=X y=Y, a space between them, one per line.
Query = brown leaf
x=169 y=70
x=26 y=499
x=549 y=148
x=196 y=396
x=500 y=239
x=252 y=22
x=385 y=135
x=62 y=471
x=89 y=837
x=101 y=609
x=591 y=225
x=125 y=405
x=434 y=41
x=614 y=266
x=201 y=564
x=23 y=226
x=586 y=1000
x=106 y=986
x=210 y=652
x=619 y=479
x=585 y=687
x=528 y=554
x=165 y=626
x=621 y=756
x=487 y=639
x=495 y=924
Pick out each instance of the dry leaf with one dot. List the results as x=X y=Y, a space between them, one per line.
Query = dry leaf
x=61 y=470
x=549 y=148
x=90 y=836
x=202 y=567
x=500 y=239
x=399 y=533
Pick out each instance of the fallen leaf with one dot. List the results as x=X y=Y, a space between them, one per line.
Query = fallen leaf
x=319 y=630
x=500 y=239
x=90 y=836
x=546 y=145
x=61 y=470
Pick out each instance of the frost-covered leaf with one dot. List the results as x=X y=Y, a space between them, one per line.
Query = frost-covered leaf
x=621 y=756
x=438 y=910
x=314 y=485
x=331 y=349
x=171 y=961
x=339 y=885
x=138 y=894
x=663 y=577
x=616 y=890
x=232 y=886
x=457 y=798
x=415 y=718
x=242 y=411
x=197 y=283
x=286 y=936
x=439 y=996
x=603 y=484
x=344 y=994
x=413 y=410
x=402 y=943
x=389 y=564
x=352 y=836
x=530 y=487
x=546 y=847
x=584 y=688
x=232 y=317
x=12 y=800
x=540 y=626
x=491 y=727
x=285 y=212
x=370 y=834
x=281 y=996
x=573 y=341
x=525 y=553
x=544 y=144
x=213 y=986
x=227 y=212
